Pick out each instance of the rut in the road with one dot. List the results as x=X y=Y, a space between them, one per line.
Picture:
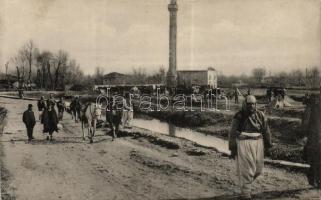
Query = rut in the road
x=170 y=168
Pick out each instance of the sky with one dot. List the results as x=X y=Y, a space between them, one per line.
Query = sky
x=233 y=36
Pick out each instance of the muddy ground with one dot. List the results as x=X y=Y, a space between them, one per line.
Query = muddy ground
x=285 y=125
x=138 y=165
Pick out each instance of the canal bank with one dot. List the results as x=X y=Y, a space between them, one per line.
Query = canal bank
x=287 y=134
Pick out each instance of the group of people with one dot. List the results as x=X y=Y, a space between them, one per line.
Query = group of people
x=119 y=112
x=47 y=116
x=279 y=93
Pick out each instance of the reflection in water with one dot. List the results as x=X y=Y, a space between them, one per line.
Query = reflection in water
x=169 y=129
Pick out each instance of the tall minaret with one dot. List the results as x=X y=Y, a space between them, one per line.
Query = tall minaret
x=171 y=74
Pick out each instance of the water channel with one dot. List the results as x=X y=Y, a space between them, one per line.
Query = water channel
x=161 y=127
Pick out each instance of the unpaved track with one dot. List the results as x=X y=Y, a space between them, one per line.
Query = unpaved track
x=128 y=168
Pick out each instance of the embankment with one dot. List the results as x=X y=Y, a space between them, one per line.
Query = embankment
x=287 y=135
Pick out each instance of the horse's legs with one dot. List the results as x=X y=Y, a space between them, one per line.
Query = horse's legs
x=90 y=136
x=116 y=129
x=114 y=134
x=82 y=129
x=94 y=126
x=76 y=116
x=112 y=126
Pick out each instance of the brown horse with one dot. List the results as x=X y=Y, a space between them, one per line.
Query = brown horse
x=114 y=116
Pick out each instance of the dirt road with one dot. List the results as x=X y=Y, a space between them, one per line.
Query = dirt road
x=132 y=167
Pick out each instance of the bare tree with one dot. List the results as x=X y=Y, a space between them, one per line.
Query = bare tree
x=43 y=59
x=296 y=77
x=99 y=75
x=258 y=74
x=315 y=77
x=18 y=62
x=157 y=78
x=28 y=53
x=7 y=66
x=282 y=79
x=73 y=74
x=60 y=61
x=139 y=75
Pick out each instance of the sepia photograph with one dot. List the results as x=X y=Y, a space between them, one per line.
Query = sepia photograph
x=160 y=99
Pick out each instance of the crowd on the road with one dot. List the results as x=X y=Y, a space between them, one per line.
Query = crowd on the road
x=118 y=112
x=47 y=116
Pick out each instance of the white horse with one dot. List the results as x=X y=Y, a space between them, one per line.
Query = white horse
x=89 y=115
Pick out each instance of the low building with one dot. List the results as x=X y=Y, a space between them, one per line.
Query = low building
x=206 y=77
x=115 y=78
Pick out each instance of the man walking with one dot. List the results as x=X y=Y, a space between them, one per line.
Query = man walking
x=61 y=108
x=30 y=121
x=236 y=96
x=75 y=107
x=52 y=122
x=51 y=101
x=41 y=106
x=248 y=137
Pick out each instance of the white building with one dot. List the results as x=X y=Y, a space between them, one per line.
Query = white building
x=206 y=77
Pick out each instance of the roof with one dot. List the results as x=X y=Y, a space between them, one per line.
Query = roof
x=114 y=74
x=199 y=70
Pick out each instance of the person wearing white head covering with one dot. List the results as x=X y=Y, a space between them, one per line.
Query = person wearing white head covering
x=248 y=137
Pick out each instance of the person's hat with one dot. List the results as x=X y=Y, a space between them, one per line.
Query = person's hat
x=250 y=99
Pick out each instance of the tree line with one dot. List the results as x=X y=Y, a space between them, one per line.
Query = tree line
x=48 y=70
x=55 y=70
x=301 y=78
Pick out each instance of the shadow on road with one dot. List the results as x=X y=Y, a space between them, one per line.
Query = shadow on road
x=280 y=194
x=221 y=197
x=263 y=195
x=59 y=140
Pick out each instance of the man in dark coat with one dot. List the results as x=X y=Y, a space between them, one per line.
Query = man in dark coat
x=30 y=121
x=312 y=150
x=61 y=108
x=75 y=107
x=52 y=121
x=41 y=107
x=51 y=101
x=41 y=103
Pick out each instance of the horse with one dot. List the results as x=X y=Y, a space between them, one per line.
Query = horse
x=113 y=117
x=89 y=114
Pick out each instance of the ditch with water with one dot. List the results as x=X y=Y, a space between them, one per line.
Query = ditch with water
x=166 y=128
